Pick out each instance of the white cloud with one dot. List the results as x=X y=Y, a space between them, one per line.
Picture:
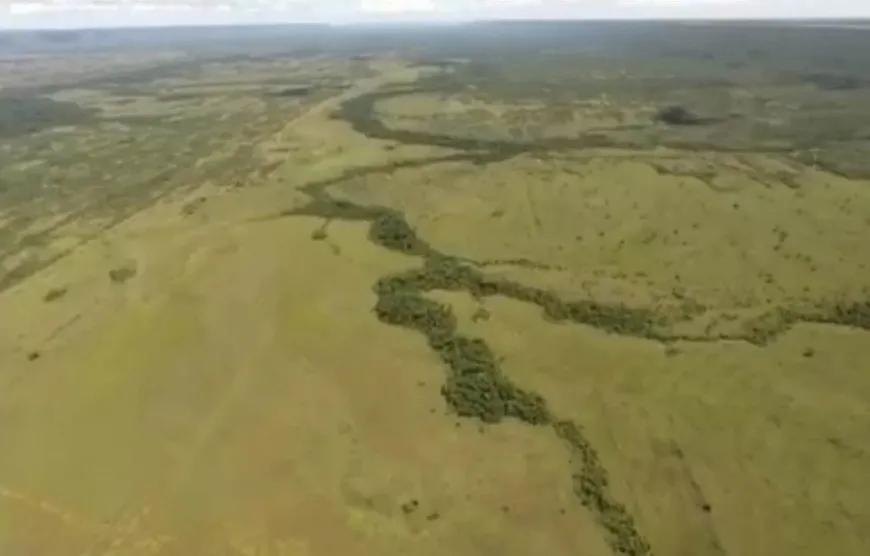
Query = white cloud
x=125 y=12
x=19 y=8
x=397 y=6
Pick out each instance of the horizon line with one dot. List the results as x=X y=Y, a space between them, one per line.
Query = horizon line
x=398 y=21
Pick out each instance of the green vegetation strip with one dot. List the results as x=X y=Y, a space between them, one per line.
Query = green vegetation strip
x=476 y=387
x=360 y=113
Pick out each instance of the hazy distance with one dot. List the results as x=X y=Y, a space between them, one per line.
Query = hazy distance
x=24 y=14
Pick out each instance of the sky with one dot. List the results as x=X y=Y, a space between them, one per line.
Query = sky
x=122 y=13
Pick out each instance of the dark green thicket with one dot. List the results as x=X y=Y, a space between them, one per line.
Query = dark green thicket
x=475 y=386
x=294 y=92
x=392 y=231
x=122 y=274
x=23 y=114
x=359 y=112
x=833 y=81
x=854 y=314
x=54 y=294
x=191 y=207
x=762 y=330
x=768 y=327
x=591 y=487
x=521 y=262
x=441 y=272
x=678 y=115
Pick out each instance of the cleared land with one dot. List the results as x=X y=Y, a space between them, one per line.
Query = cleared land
x=504 y=288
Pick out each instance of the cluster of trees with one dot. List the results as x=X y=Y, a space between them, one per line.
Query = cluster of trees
x=25 y=114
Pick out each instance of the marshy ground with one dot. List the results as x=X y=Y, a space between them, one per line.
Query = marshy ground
x=503 y=288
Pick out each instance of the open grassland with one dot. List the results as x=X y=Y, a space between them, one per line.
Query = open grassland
x=503 y=292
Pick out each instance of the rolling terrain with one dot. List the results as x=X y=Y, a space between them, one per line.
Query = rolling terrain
x=500 y=288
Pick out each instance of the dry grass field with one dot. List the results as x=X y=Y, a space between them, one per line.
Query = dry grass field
x=471 y=291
